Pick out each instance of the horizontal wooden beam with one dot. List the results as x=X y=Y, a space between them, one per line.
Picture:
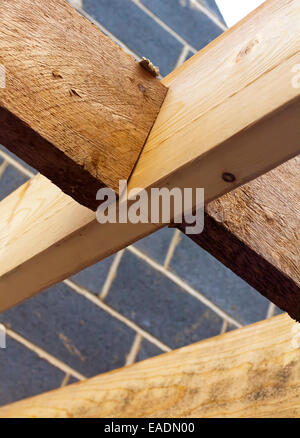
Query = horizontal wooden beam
x=245 y=373
x=76 y=107
x=254 y=231
x=47 y=237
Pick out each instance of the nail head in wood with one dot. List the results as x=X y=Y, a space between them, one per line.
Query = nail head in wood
x=228 y=177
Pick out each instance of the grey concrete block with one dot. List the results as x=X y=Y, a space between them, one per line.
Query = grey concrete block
x=204 y=273
x=73 y=329
x=11 y=180
x=157 y=244
x=136 y=30
x=147 y=351
x=212 y=5
x=23 y=374
x=16 y=158
x=93 y=278
x=189 y=22
x=160 y=306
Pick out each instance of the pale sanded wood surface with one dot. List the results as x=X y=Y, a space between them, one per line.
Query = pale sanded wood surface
x=250 y=372
x=76 y=106
x=254 y=231
x=219 y=87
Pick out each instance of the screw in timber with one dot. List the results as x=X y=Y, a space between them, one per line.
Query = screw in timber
x=228 y=177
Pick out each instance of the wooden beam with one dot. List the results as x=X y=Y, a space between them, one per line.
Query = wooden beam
x=245 y=373
x=254 y=231
x=219 y=87
x=76 y=107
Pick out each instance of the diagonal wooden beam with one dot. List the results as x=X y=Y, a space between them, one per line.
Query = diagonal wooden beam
x=219 y=87
x=75 y=106
x=254 y=231
x=245 y=373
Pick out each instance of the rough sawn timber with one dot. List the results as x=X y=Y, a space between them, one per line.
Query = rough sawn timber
x=76 y=107
x=254 y=231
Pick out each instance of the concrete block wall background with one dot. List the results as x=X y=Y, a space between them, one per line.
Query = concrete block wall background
x=163 y=292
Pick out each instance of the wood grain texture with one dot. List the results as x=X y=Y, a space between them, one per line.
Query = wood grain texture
x=233 y=91
x=254 y=231
x=250 y=372
x=219 y=87
x=76 y=106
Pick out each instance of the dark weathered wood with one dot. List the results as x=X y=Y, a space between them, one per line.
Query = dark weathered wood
x=75 y=107
x=254 y=231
